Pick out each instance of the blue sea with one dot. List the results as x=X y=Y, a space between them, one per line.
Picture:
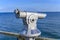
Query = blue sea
x=49 y=26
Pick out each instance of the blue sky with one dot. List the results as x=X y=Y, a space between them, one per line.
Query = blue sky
x=30 y=5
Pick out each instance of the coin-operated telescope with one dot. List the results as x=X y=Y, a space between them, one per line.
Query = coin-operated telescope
x=30 y=20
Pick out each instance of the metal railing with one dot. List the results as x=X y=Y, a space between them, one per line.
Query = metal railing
x=19 y=37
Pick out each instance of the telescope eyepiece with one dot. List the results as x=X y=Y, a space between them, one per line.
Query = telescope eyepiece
x=17 y=12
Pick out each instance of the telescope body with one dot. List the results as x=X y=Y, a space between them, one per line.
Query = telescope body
x=22 y=14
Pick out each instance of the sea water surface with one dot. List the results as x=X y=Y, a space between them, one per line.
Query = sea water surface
x=49 y=26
